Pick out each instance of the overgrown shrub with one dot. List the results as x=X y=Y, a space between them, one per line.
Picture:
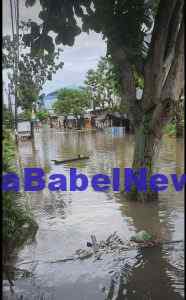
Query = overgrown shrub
x=42 y=115
x=18 y=221
x=170 y=129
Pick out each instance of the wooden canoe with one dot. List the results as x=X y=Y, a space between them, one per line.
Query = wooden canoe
x=69 y=160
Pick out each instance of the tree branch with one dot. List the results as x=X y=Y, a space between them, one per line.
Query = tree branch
x=174 y=83
x=173 y=87
x=157 y=51
x=171 y=41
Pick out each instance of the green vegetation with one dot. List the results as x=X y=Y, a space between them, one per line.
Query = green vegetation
x=28 y=76
x=25 y=115
x=8 y=118
x=71 y=101
x=18 y=222
x=170 y=129
x=42 y=115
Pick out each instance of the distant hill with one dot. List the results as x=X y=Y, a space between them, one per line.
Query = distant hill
x=57 y=91
x=53 y=93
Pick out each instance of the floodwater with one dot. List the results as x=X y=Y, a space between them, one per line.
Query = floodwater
x=67 y=219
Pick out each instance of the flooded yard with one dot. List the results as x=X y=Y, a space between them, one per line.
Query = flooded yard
x=67 y=219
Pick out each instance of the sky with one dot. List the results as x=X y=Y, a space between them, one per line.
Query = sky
x=84 y=55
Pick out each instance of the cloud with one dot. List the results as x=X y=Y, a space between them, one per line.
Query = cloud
x=84 y=55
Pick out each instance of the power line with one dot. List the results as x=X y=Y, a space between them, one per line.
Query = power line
x=15 y=8
x=12 y=18
x=17 y=27
x=17 y=59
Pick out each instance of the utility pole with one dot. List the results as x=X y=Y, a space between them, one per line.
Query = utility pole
x=33 y=119
x=10 y=106
x=9 y=100
x=17 y=61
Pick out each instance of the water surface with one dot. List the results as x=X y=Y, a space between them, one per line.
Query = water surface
x=67 y=219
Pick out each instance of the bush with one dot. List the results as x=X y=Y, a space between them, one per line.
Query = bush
x=25 y=115
x=18 y=222
x=8 y=118
x=170 y=129
x=42 y=115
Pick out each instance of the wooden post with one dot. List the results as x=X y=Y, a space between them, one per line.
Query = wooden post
x=32 y=129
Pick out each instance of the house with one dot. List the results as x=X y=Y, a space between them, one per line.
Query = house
x=24 y=129
x=117 y=119
x=114 y=119
x=99 y=121
x=87 y=120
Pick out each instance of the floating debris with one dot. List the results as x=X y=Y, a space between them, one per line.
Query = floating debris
x=115 y=245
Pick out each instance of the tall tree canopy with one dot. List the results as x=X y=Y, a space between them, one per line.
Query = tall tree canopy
x=159 y=60
x=104 y=85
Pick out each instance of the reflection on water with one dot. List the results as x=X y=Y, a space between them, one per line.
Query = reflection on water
x=66 y=221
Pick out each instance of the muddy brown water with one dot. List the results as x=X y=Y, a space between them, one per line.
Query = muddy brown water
x=67 y=219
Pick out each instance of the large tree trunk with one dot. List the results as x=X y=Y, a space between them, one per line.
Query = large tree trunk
x=146 y=146
x=146 y=150
x=164 y=82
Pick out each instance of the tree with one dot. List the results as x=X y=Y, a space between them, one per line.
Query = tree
x=103 y=84
x=7 y=117
x=34 y=69
x=71 y=101
x=179 y=117
x=159 y=60
x=91 y=83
